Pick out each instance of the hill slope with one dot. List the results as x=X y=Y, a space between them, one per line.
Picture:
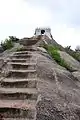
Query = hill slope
x=58 y=88
x=60 y=93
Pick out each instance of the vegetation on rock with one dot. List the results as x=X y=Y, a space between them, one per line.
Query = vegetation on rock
x=53 y=51
x=13 y=38
x=7 y=44
x=75 y=54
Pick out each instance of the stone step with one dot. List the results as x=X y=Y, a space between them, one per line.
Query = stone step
x=28 y=42
x=23 y=66
x=18 y=83
x=27 y=49
x=19 y=104
x=18 y=65
x=22 y=56
x=18 y=93
x=22 y=73
x=23 y=52
x=17 y=119
x=18 y=60
x=22 y=60
x=18 y=108
x=16 y=80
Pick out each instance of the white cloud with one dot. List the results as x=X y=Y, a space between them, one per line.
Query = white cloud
x=66 y=35
x=21 y=17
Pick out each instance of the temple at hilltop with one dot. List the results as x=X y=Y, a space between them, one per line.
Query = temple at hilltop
x=43 y=31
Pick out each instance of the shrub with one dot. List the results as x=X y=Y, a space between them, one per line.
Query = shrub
x=7 y=44
x=13 y=38
x=53 y=51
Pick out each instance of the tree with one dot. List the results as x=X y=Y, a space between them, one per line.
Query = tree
x=13 y=38
x=7 y=44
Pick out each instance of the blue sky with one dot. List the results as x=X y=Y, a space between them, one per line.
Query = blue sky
x=21 y=17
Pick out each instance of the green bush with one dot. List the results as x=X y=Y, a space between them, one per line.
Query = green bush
x=7 y=44
x=13 y=38
x=53 y=51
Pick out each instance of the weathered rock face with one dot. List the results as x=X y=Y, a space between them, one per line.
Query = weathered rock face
x=28 y=41
x=45 y=39
x=59 y=92
x=18 y=93
x=58 y=89
x=77 y=76
x=70 y=60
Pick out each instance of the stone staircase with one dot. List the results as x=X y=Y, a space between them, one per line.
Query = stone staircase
x=18 y=90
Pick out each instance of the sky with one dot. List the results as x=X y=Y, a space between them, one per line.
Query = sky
x=20 y=18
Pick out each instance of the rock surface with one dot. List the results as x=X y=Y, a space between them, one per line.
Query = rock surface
x=59 y=92
x=58 y=89
x=70 y=60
